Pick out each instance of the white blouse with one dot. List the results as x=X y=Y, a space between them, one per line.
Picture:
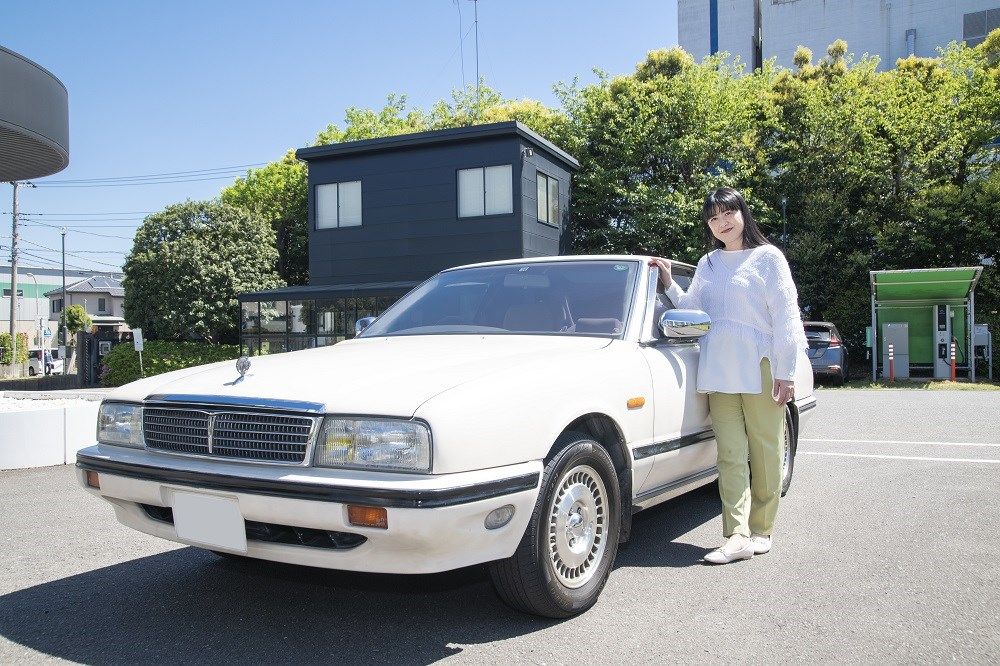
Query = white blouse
x=753 y=303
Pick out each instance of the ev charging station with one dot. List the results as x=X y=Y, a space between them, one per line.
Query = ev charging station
x=926 y=317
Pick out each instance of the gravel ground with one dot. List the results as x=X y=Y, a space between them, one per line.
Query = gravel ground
x=876 y=559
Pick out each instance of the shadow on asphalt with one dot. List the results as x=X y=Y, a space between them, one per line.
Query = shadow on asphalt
x=189 y=605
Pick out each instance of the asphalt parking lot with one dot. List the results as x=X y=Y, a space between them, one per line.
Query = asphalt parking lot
x=885 y=551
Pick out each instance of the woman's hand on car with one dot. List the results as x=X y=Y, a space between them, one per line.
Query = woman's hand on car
x=664 y=266
x=783 y=391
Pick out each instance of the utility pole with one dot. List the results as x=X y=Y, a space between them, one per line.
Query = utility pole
x=62 y=312
x=475 y=6
x=13 y=278
x=784 y=223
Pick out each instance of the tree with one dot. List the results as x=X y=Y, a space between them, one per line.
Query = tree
x=277 y=193
x=187 y=265
x=653 y=143
x=75 y=319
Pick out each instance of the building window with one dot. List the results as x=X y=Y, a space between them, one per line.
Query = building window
x=102 y=305
x=338 y=205
x=977 y=25
x=57 y=305
x=485 y=191
x=20 y=293
x=547 y=188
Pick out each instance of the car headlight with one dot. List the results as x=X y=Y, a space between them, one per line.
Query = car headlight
x=120 y=424
x=374 y=444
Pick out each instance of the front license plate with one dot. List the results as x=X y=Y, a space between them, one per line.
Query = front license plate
x=210 y=521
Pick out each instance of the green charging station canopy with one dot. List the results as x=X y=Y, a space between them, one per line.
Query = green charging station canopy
x=931 y=285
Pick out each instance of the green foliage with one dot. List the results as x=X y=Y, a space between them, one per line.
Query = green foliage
x=75 y=319
x=5 y=348
x=121 y=364
x=187 y=265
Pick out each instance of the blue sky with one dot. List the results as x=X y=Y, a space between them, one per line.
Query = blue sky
x=183 y=85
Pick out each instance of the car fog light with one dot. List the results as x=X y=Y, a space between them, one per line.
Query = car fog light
x=368 y=516
x=497 y=518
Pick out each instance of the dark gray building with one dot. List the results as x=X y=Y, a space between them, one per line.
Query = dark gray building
x=388 y=213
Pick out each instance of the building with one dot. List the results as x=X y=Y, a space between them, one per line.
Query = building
x=387 y=213
x=756 y=30
x=102 y=297
x=37 y=290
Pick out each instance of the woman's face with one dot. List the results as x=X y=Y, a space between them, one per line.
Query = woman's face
x=727 y=226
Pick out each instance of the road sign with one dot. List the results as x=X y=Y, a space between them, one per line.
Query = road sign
x=137 y=338
x=47 y=333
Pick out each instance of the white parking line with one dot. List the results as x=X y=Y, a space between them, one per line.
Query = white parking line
x=894 y=441
x=866 y=455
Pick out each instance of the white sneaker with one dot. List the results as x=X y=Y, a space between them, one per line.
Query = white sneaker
x=761 y=543
x=737 y=547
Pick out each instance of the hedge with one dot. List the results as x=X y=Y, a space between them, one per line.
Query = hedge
x=121 y=364
x=22 y=348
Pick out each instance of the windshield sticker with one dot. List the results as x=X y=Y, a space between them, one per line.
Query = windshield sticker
x=621 y=267
x=521 y=270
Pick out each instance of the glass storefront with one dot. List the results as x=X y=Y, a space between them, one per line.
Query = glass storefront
x=275 y=326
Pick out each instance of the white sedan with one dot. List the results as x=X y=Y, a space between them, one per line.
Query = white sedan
x=516 y=413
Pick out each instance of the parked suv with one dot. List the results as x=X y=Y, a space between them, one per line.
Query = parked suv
x=827 y=352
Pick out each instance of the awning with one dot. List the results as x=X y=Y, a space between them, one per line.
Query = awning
x=925 y=285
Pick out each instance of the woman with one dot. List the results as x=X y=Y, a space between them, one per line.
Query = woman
x=747 y=365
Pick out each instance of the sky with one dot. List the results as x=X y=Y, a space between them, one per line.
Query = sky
x=214 y=86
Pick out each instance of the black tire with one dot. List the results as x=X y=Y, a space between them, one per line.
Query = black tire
x=788 y=453
x=31 y=371
x=531 y=580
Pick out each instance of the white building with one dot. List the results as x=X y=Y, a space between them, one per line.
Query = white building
x=756 y=30
x=102 y=296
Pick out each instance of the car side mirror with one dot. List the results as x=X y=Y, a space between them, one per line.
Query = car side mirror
x=363 y=323
x=684 y=324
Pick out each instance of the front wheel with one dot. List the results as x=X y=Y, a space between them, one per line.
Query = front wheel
x=569 y=547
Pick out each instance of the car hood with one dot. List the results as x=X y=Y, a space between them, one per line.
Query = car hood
x=390 y=376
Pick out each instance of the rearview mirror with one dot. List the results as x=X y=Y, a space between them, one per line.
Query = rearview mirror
x=684 y=324
x=363 y=323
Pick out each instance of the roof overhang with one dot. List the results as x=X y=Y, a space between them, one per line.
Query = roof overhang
x=34 y=120
x=924 y=286
x=452 y=134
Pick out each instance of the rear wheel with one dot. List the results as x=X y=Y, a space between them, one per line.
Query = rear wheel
x=569 y=547
x=31 y=371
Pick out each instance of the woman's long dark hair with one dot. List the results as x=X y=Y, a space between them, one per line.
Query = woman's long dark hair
x=721 y=200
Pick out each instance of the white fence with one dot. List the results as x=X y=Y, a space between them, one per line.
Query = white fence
x=43 y=436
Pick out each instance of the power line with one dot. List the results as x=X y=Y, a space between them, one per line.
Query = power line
x=127 y=212
x=44 y=248
x=155 y=175
x=75 y=231
x=147 y=182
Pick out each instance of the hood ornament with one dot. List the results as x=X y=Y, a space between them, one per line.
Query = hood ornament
x=242 y=365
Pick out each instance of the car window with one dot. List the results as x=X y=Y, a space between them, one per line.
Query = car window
x=818 y=333
x=567 y=298
x=682 y=275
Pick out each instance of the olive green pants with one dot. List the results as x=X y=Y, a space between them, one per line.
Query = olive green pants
x=749 y=425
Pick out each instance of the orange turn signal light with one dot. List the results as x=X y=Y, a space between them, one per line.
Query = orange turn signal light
x=636 y=403
x=93 y=480
x=368 y=516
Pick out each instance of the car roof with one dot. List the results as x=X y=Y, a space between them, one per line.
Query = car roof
x=828 y=324
x=568 y=258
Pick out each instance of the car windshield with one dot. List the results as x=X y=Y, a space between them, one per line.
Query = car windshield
x=563 y=298
x=819 y=333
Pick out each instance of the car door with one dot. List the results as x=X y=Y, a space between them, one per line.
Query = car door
x=684 y=444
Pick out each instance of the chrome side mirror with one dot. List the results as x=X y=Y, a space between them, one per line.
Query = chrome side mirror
x=684 y=324
x=363 y=323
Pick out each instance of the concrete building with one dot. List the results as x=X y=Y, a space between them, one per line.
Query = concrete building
x=386 y=214
x=756 y=30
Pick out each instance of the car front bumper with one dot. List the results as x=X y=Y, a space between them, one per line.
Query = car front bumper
x=435 y=523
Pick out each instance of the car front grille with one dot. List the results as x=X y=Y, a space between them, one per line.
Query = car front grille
x=224 y=433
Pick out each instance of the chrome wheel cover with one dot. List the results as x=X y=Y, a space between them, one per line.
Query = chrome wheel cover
x=578 y=517
x=786 y=453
